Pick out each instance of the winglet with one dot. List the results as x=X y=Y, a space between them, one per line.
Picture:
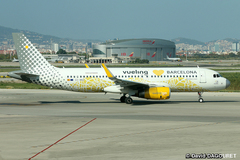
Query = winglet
x=86 y=65
x=109 y=74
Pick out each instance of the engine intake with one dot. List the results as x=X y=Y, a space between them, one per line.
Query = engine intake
x=156 y=93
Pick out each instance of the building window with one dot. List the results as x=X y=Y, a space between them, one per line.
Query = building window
x=97 y=51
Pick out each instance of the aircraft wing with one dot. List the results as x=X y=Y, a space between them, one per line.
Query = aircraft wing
x=123 y=82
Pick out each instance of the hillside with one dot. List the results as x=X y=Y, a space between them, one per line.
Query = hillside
x=6 y=35
x=187 y=41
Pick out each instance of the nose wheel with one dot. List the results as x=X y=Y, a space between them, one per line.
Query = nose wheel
x=200 y=99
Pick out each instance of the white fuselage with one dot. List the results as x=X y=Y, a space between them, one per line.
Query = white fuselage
x=177 y=79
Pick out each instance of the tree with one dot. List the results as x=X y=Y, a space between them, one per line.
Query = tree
x=232 y=55
x=72 y=52
x=61 y=51
x=138 y=60
x=238 y=54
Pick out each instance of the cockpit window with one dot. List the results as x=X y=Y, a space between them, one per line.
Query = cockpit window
x=216 y=75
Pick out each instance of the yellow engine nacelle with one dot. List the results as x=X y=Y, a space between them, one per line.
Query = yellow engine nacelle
x=156 y=93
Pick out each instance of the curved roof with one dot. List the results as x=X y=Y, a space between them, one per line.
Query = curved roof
x=150 y=41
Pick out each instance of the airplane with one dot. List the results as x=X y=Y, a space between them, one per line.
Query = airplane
x=148 y=83
x=174 y=59
x=15 y=60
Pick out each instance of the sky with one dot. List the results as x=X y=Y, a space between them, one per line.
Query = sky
x=203 y=20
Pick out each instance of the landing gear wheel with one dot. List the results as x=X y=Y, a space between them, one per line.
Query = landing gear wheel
x=128 y=100
x=200 y=100
x=122 y=99
x=200 y=97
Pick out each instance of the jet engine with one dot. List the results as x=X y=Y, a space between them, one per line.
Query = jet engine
x=157 y=93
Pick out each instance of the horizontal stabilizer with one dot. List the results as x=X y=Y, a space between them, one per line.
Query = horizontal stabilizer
x=20 y=74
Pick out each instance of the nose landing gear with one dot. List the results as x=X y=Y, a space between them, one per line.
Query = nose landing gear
x=200 y=99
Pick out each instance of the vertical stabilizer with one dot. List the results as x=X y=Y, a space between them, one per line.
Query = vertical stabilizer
x=32 y=62
x=30 y=59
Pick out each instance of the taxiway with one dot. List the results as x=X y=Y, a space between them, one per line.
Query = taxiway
x=32 y=120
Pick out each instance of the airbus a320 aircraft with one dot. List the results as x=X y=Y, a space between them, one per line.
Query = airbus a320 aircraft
x=174 y=59
x=149 y=83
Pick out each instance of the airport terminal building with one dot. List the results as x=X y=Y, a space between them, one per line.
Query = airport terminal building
x=151 y=49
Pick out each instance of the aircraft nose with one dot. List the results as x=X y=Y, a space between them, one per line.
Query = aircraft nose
x=227 y=83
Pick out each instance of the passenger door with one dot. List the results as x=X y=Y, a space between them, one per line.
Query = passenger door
x=202 y=77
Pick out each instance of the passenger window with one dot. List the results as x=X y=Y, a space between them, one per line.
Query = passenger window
x=151 y=76
x=196 y=76
x=83 y=76
x=186 y=75
x=70 y=76
x=173 y=75
x=73 y=76
x=96 y=76
x=67 y=76
x=167 y=75
x=183 y=76
x=99 y=76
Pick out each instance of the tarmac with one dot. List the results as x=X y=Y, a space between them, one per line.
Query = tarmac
x=64 y=125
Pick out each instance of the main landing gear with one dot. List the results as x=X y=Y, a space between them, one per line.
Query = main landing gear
x=200 y=99
x=127 y=100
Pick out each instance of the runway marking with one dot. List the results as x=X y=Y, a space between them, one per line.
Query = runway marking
x=62 y=138
x=130 y=134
